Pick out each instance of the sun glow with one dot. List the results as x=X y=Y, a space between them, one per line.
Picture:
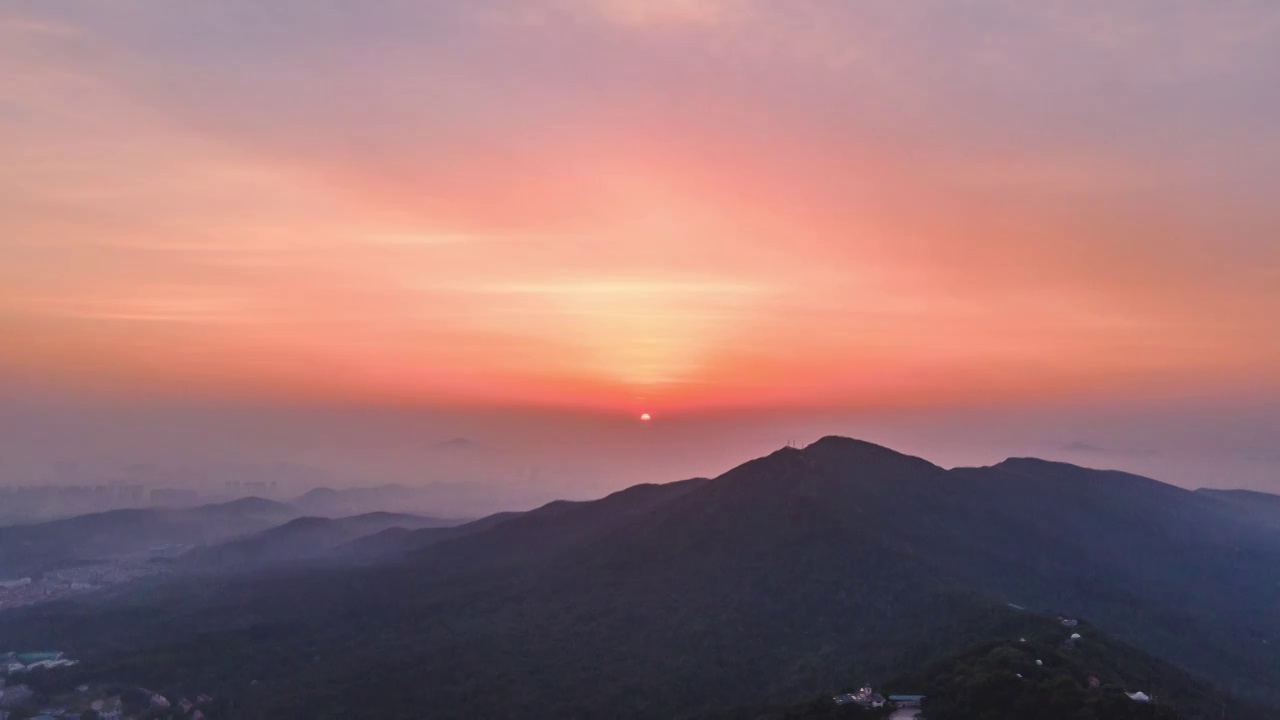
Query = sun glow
x=674 y=239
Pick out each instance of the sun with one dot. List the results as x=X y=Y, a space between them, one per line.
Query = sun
x=644 y=417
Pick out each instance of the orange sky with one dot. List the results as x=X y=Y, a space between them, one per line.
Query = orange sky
x=669 y=206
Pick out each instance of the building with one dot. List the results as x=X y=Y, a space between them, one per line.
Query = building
x=108 y=709
x=912 y=701
x=15 y=696
x=35 y=657
x=865 y=696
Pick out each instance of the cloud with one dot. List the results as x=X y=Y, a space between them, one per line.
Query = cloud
x=1083 y=447
x=416 y=239
x=18 y=25
x=657 y=288
x=659 y=13
x=1024 y=198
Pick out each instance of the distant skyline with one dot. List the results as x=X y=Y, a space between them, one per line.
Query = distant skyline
x=326 y=233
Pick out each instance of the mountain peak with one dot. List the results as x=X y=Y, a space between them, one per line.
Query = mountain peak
x=840 y=449
x=1052 y=473
x=247 y=505
x=826 y=465
x=845 y=440
x=1016 y=464
x=1056 y=469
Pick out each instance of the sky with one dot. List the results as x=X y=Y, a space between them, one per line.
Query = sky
x=336 y=233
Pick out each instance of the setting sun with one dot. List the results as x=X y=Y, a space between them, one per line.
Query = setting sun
x=644 y=417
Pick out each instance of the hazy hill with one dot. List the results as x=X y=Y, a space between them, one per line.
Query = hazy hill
x=555 y=524
x=399 y=542
x=529 y=540
x=790 y=573
x=304 y=538
x=1259 y=507
x=27 y=549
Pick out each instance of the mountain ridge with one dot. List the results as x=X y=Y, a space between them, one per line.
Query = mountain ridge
x=33 y=548
x=777 y=577
x=300 y=539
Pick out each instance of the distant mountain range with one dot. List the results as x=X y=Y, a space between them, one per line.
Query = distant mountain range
x=31 y=549
x=400 y=541
x=323 y=518
x=791 y=575
x=305 y=538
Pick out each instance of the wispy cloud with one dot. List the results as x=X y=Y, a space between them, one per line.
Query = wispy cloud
x=596 y=287
x=13 y=24
x=660 y=13
x=178 y=305
x=833 y=201
x=412 y=239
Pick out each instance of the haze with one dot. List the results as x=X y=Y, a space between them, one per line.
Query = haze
x=334 y=236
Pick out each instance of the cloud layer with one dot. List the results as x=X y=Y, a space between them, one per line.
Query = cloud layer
x=666 y=205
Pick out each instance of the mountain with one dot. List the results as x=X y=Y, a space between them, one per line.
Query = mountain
x=31 y=549
x=251 y=506
x=784 y=577
x=1257 y=507
x=397 y=542
x=1066 y=673
x=1046 y=671
x=304 y=538
x=1164 y=568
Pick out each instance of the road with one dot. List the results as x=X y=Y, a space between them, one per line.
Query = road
x=904 y=714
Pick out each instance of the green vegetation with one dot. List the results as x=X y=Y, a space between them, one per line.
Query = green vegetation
x=1084 y=679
